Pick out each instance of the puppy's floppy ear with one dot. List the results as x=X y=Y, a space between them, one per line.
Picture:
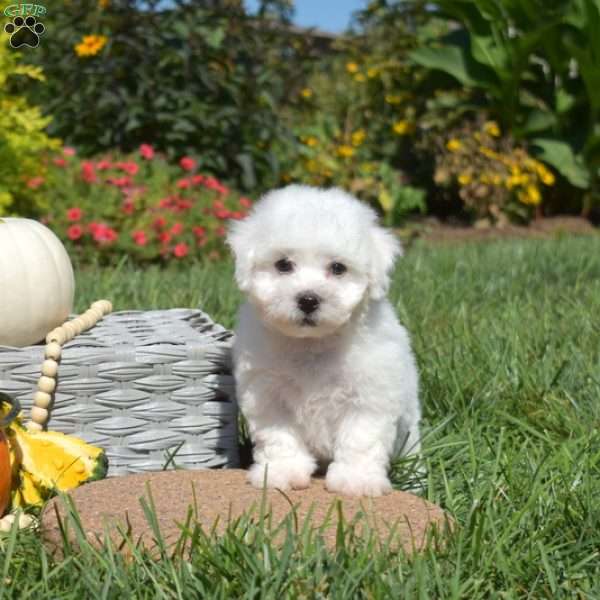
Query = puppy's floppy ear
x=385 y=247
x=239 y=238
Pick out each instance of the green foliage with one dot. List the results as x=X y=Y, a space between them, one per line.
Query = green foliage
x=22 y=136
x=142 y=206
x=534 y=66
x=197 y=77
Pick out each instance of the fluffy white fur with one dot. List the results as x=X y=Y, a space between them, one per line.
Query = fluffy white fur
x=337 y=387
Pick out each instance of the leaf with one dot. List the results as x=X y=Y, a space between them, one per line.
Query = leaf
x=538 y=120
x=454 y=61
x=560 y=155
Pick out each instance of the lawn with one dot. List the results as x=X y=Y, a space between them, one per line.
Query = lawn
x=507 y=340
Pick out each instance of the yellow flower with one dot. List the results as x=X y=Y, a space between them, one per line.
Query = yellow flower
x=488 y=152
x=91 y=45
x=351 y=67
x=311 y=141
x=372 y=72
x=496 y=179
x=345 y=151
x=465 y=178
x=403 y=127
x=531 y=195
x=306 y=93
x=360 y=78
x=358 y=137
x=546 y=176
x=393 y=98
x=491 y=128
x=454 y=145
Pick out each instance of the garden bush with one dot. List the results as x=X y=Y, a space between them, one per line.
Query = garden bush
x=188 y=77
x=139 y=205
x=22 y=137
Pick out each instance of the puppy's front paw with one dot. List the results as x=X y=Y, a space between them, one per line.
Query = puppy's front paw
x=356 y=481
x=284 y=474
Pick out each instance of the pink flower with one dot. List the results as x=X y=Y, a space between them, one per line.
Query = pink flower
x=75 y=232
x=102 y=233
x=177 y=229
x=164 y=203
x=198 y=231
x=181 y=250
x=88 y=173
x=103 y=165
x=35 y=182
x=68 y=151
x=139 y=237
x=147 y=151
x=184 y=184
x=119 y=181
x=187 y=163
x=164 y=237
x=130 y=168
x=222 y=213
x=74 y=214
x=245 y=202
x=60 y=162
x=236 y=214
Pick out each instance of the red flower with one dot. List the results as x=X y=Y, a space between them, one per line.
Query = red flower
x=177 y=229
x=74 y=214
x=139 y=237
x=187 y=163
x=181 y=250
x=220 y=231
x=60 y=162
x=147 y=151
x=130 y=168
x=88 y=173
x=245 y=202
x=102 y=233
x=184 y=184
x=119 y=181
x=197 y=179
x=222 y=213
x=184 y=204
x=164 y=203
x=75 y=232
x=164 y=237
x=159 y=222
x=236 y=214
x=128 y=206
x=103 y=165
x=198 y=231
x=68 y=151
x=35 y=182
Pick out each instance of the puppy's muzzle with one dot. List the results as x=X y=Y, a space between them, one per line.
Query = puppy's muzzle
x=308 y=303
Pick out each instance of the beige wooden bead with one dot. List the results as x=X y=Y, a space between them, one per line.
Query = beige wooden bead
x=39 y=415
x=87 y=320
x=96 y=312
x=49 y=367
x=79 y=323
x=76 y=327
x=69 y=329
x=103 y=305
x=42 y=399
x=53 y=350
x=46 y=384
x=33 y=427
x=56 y=335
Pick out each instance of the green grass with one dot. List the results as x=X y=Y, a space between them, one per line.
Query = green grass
x=507 y=336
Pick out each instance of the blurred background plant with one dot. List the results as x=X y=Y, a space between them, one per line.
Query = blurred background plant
x=140 y=205
x=22 y=138
x=484 y=111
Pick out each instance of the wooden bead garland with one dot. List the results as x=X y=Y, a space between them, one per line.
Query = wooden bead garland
x=54 y=342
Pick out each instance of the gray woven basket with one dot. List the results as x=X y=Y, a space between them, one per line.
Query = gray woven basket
x=142 y=385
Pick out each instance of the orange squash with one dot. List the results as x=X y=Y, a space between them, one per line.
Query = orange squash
x=5 y=470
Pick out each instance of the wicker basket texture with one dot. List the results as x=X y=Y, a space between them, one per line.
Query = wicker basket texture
x=153 y=388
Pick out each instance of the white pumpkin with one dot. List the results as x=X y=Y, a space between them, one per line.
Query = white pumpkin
x=36 y=282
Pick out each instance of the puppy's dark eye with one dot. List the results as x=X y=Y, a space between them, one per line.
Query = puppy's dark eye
x=284 y=265
x=338 y=268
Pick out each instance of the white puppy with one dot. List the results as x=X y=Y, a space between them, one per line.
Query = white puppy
x=324 y=370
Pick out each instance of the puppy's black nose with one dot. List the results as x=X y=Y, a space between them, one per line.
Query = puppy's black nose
x=308 y=303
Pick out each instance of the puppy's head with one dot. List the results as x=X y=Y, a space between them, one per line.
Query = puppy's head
x=308 y=258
